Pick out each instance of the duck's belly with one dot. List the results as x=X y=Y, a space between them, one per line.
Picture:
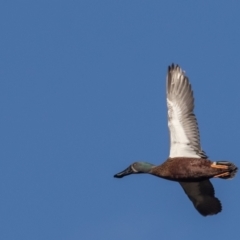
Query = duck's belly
x=185 y=169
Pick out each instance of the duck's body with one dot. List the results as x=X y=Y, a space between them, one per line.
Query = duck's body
x=190 y=169
x=187 y=162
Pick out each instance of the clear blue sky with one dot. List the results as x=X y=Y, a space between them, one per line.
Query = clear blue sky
x=82 y=96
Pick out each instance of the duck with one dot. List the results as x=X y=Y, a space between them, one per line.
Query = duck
x=187 y=163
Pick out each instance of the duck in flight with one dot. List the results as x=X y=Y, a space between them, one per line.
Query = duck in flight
x=187 y=164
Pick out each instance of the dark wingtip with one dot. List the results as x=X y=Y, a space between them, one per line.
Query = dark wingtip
x=210 y=206
x=172 y=66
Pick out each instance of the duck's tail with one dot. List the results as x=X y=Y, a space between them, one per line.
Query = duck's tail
x=230 y=169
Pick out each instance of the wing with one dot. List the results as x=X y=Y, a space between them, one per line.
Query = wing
x=202 y=196
x=182 y=123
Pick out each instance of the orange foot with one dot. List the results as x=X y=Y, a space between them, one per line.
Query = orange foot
x=215 y=165
x=223 y=174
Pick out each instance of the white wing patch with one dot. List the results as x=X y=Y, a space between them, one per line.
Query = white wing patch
x=182 y=123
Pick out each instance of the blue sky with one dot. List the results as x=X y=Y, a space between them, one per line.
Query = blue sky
x=82 y=96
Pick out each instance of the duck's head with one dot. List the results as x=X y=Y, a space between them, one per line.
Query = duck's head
x=137 y=167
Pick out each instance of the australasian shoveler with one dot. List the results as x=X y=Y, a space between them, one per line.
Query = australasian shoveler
x=187 y=164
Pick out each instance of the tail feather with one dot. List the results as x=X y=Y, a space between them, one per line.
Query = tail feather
x=232 y=169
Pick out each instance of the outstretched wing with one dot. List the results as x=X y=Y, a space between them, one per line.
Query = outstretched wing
x=182 y=123
x=202 y=196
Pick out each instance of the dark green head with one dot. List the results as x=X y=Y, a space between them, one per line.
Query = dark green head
x=137 y=167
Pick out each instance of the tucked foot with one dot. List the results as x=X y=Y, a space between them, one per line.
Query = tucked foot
x=223 y=175
x=230 y=168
